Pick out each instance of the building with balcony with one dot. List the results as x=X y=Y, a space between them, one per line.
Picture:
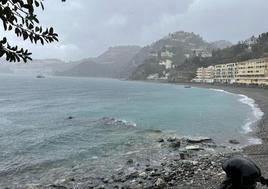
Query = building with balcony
x=253 y=72
x=205 y=75
x=225 y=73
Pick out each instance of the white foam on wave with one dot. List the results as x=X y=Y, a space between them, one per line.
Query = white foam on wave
x=251 y=102
x=220 y=90
x=257 y=115
x=133 y=124
x=255 y=141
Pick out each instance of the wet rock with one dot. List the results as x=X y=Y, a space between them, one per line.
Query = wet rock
x=105 y=180
x=175 y=144
x=184 y=155
x=54 y=186
x=193 y=147
x=143 y=175
x=198 y=140
x=148 y=169
x=160 y=140
x=132 y=175
x=155 y=174
x=137 y=164
x=130 y=161
x=72 y=179
x=100 y=187
x=160 y=183
x=70 y=117
x=233 y=141
x=171 y=139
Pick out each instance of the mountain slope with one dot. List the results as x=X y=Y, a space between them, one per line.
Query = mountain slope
x=172 y=50
x=109 y=64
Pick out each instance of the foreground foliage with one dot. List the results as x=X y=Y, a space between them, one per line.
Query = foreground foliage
x=19 y=16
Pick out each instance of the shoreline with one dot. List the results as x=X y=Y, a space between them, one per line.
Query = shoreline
x=175 y=171
x=252 y=124
x=257 y=152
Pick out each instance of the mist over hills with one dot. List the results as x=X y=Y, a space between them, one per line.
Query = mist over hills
x=132 y=62
x=42 y=66
x=123 y=61
x=109 y=64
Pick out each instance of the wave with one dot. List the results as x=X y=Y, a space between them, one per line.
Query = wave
x=257 y=114
x=255 y=141
x=251 y=102
x=220 y=90
x=110 y=121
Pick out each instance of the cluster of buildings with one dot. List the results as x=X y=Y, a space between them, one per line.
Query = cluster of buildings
x=254 y=71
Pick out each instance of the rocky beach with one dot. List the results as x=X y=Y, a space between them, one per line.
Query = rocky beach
x=258 y=153
x=192 y=163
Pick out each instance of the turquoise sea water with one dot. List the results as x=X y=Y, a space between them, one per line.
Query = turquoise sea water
x=112 y=120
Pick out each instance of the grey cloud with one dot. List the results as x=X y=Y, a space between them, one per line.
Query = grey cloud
x=88 y=27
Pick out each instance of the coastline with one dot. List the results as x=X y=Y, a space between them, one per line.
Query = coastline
x=257 y=152
x=199 y=166
x=198 y=170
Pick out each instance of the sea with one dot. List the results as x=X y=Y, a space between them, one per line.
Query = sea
x=57 y=127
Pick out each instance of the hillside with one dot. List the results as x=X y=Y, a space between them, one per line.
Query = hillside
x=221 y=44
x=171 y=51
x=111 y=63
x=254 y=47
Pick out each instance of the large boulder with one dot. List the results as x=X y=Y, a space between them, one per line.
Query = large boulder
x=198 y=140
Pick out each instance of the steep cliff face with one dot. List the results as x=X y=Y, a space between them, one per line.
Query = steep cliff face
x=111 y=63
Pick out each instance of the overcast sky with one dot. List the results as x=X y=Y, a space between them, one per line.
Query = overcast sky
x=89 y=27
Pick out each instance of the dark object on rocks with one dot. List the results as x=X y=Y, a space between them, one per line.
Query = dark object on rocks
x=234 y=141
x=174 y=142
x=160 y=140
x=241 y=173
x=57 y=186
x=171 y=139
x=184 y=155
x=72 y=179
x=133 y=175
x=130 y=161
